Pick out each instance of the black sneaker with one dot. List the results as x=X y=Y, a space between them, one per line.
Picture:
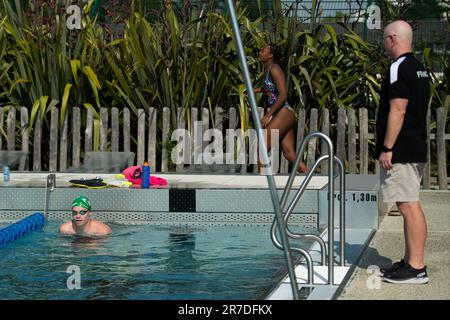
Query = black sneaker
x=407 y=274
x=393 y=267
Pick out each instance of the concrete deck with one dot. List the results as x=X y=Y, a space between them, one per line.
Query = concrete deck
x=388 y=245
x=196 y=181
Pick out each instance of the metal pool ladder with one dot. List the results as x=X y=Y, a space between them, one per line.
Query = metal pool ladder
x=287 y=212
x=280 y=218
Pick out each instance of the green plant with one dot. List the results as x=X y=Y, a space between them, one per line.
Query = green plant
x=44 y=64
x=178 y=61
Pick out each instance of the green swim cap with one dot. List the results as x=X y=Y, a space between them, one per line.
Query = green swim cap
x=82 y=201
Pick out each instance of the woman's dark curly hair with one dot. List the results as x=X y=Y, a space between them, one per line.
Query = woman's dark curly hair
x=275 y=50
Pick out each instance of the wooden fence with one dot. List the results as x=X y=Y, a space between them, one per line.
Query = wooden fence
x=350 y=134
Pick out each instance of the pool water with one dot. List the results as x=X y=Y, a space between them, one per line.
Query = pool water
x=143 y=262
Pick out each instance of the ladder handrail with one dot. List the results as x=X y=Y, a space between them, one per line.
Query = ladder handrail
x=299 y=157
x=342 y=213
x=50 y=185
x=305 y=253
x=287 y=213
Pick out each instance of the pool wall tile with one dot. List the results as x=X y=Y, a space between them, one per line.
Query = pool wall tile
x=251 y=201
x=101 y=199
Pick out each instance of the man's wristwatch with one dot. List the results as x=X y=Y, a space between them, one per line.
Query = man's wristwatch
x=386 y=149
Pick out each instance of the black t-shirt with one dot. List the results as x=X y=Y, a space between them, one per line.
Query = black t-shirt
x=408 y=79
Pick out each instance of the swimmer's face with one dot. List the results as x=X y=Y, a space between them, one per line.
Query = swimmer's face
x=265 y=53
x=80 y=215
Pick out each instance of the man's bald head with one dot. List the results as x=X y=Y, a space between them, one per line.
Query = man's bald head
x=401 y=35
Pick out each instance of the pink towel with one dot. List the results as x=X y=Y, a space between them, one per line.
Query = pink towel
x=133 y=174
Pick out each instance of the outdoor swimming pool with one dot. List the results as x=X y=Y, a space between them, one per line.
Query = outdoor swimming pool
x=144 y=262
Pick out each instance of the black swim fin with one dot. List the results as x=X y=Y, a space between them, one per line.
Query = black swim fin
x=90 y=183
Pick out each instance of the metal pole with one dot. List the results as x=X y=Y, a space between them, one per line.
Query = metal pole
x=49 y=186
x=263 y=149
x=341 y=210
x=330 y=213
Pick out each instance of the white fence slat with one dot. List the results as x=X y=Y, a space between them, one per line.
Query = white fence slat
x=152 y=138
x=63 y=144
x=340 y=148
x=53 y=148
x=363 y=141
x=165 y=139
x=89 y=131
x=325 y=129
x=181 y=124
x=25 y=133
x=301 y=125
x=352 y=166
x=115 y=129
x=11 y=129
x=37 y=139
x=141 y=138
x=253 y=148
x=76 y=137
x=195 y=147
x=126 y=130
x=103 y=129
x=312 y=143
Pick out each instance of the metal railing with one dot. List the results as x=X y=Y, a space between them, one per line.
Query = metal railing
x=287 y=213
x=50 y=185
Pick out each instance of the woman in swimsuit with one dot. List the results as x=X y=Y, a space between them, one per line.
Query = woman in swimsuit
x=281 y=115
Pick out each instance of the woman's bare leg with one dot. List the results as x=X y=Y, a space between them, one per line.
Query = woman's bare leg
x=288 y=148
x=283 y=122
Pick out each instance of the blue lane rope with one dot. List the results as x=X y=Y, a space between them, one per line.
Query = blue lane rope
x=22 y=227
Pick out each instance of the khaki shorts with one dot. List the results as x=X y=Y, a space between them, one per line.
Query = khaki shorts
x=402 y=182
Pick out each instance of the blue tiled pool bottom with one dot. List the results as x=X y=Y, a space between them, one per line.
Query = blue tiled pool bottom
x=143 y=262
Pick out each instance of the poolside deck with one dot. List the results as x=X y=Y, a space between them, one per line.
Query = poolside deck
x=387 y=246
x=197 y=181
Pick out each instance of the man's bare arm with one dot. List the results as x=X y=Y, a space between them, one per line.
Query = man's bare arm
x=394 y=125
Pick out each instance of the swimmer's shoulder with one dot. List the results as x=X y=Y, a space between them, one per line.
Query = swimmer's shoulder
x=66 y=228
x=101 y=228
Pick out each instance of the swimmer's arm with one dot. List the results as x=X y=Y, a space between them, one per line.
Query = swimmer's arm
x=107 y=230
x=66 y=229
x=103 y=230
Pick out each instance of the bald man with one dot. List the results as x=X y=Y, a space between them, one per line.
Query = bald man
x=402 y=147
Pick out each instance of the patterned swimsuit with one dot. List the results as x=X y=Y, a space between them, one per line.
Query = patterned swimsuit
x=271 y=92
